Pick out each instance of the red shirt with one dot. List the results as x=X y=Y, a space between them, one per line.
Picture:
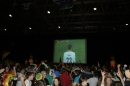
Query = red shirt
x=65 y=79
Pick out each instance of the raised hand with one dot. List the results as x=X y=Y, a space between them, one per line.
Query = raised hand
x=118 y=74
x=103 y=74
x=2 y=70
x=42 y=62
x=118 y=66
x=21 y=78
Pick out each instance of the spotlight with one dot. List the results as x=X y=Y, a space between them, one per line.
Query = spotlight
x=58 y=26
x=5 y=29
x=30 y=28
x=94 y=8
x=10 y=15
x=48 y=12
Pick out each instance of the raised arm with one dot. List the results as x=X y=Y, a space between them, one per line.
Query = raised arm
x=103 y=77
x=119 y=74
x=22 y=80
x=44 y=64
x=119 y=70
x=14 y=71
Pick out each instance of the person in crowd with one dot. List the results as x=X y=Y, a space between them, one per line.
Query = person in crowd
x=65 y=78
x=44 y=79
x=21 y=74
x=48 y=76
x=22 y=81
x=29 y=77
x=106 y=81
x=55 y=74
x=56 y=82
x=83 y=81
x=76 y=79
x=93 y=80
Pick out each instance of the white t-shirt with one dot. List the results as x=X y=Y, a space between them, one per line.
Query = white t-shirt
x=92 y=81
x=28 y=83
x=69 y=57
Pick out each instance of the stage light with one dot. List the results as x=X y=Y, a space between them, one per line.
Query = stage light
x=94 y=8
x=30 y=28
x=126 y=24
x=48 y=12
x=10 y=15
x=5 y=29
x=58 y=26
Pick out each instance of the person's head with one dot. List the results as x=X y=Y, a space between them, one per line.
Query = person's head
x=7 y=69
x=94 y=73
x=77 y=72
x=127 y=74
x=64 y=70
x=43 y=74
x=22 y=70
x=118 y=84
x=83 y=80
x=110 y=74
x=39 y=83
x=75 y=84
x=55 y=74
x=47 y=71
x=56 y=81
x=108 y=81
x=29 y=76
x=69 y=47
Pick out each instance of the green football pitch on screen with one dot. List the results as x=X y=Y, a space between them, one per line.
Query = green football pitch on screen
x=78 y=46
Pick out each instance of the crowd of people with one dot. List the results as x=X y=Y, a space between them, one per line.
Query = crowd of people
x=61 y=74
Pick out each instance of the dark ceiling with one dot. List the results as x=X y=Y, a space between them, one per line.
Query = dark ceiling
x=110 y=16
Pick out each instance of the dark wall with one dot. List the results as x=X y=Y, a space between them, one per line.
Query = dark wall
x=100 y=47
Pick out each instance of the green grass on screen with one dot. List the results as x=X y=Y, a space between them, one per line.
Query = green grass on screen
x=78 y=46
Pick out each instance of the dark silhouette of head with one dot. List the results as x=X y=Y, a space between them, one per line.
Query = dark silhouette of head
x=69 y=47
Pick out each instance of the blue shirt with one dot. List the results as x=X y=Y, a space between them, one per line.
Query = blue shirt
x=76 y=79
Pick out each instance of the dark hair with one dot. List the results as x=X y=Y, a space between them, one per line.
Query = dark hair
x=28 y=74
x=118 y=84
x=63 y=70
x=47 y=71
x=39 y=83
x=58 y=80
x=95 y=73
x=83 y=78
x=78 y=72
x=22 y=68
x=69 y=46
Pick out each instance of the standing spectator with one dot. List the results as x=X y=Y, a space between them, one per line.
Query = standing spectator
x=29 y=77
x=65 y=78
x=21 y=74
